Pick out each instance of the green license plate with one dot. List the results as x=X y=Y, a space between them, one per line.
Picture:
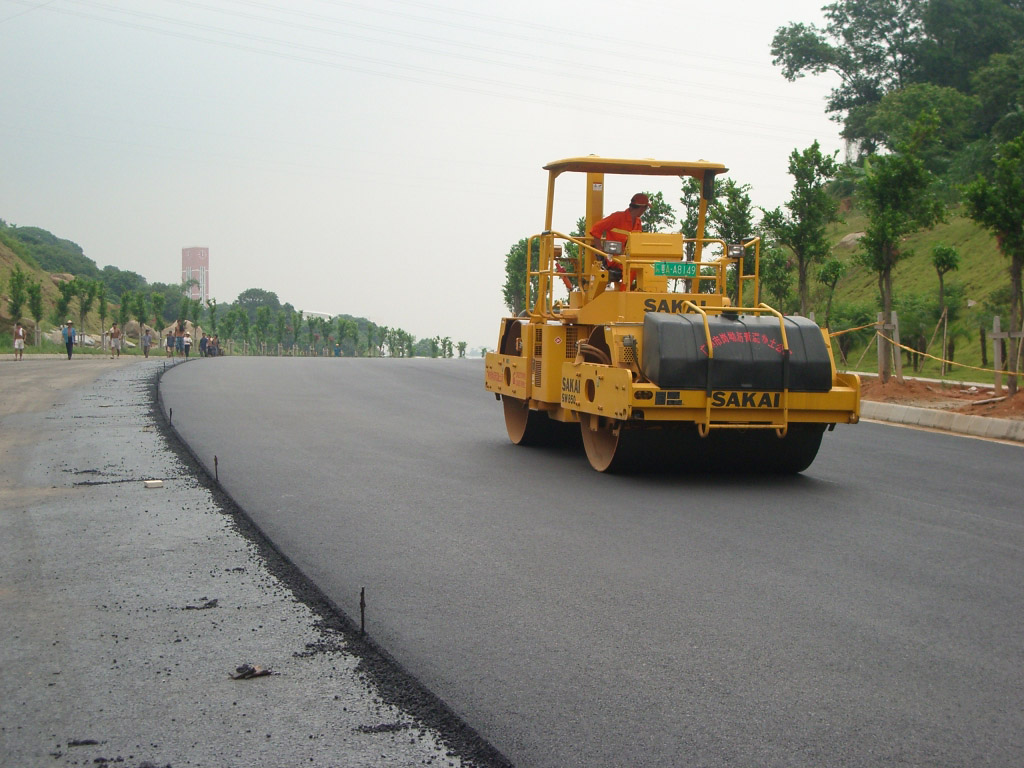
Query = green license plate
x=675 y=269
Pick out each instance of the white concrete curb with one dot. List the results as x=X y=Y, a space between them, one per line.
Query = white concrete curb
x=961 y=423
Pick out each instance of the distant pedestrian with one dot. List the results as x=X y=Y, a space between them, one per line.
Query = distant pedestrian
x=147 y=342
x=204 y=342
x=115 y=341
x=186 y=342
x=179 y=340
x=19 y=341
x=67 y=333
x=169 y=343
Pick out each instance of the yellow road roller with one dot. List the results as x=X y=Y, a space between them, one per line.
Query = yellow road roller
x=654 y=348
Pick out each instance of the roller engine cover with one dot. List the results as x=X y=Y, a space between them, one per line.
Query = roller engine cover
x=748 y=353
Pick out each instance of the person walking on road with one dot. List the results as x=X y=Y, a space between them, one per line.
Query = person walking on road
x=115 y=341
x=187 y=343
x=67 y=333
x=19 y=341
x=146 y=341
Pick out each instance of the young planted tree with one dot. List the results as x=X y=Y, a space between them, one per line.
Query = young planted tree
x=228 y=326
x=810 y=210
x=945 y=258
x=158 y=300
x=262 y=323
x=183 y=307
x=195 y=312
x=895 y=193
x=211 y=313
x=829 y=275
x=660 y=216
x=124 y=309
x=85 y=291
x=102 y=307
x=141 y=311
x=998 y=205
x=462 y=348
x=35 y=304
x=17 y=293
x=67 y=293
x=514 y=289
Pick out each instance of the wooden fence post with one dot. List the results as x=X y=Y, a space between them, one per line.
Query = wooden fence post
x=997 y=354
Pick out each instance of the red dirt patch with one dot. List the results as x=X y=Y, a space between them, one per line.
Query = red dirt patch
x=946 y=396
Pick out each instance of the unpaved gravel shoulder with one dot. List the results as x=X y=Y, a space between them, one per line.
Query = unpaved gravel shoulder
x=126 y=608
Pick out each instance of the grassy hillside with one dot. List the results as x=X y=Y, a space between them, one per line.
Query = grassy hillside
x=979 y=281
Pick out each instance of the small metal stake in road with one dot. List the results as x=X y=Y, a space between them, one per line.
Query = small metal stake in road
x=216 y=474
x=170 y=416
x=362 y=610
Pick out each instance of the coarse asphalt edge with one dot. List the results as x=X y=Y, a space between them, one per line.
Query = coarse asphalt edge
x=392 y=681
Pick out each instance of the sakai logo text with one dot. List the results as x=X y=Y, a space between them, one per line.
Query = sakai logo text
x=570 y=390
x=675 y=306
x=745 y=399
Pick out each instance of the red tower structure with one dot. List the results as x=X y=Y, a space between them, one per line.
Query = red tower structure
x=195 y=265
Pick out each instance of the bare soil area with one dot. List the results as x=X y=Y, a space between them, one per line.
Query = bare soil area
x=969 y=399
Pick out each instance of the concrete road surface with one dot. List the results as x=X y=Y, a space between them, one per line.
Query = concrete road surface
x=869 y=612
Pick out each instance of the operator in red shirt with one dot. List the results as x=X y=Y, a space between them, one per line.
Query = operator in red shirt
x=618 y=225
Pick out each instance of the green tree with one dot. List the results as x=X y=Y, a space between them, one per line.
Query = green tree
x=124 y=309
x=961 y=35
x=804 y=229
x=998 y=205
x=35 y=304
x=731 y=218
x=18 y=292
x=252 y=299
x=228 y=325
x=296 y=327
x=999 y=88
x=514 y=289
x=897 y=113
x=777 y=275
x=140 y=308
x=895 y=193
x=85 y=291
x=871 y=45
x=263 y=315
x=102 y=307
x=158 y=300
x=66 y=291
x=660 y=216
x=195 y=312
x=462 y=349
x=829 y=275
x=945 y=258
x=280 y=326
x=211 y=312
x=242 y=318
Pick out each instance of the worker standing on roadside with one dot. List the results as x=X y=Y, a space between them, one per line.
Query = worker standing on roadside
x=115 y=341
x=618 y=225
x=67 y=334
x=19 y=341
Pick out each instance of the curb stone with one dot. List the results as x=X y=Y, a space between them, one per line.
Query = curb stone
x=959 y=423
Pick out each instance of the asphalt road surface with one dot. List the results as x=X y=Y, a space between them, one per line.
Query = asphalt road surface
x=868 y=612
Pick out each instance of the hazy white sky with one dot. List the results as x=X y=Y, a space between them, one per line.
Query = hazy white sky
x=373 y=157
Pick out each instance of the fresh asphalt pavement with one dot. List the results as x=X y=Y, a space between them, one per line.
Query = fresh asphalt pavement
x=126 y=609
x=867 y=612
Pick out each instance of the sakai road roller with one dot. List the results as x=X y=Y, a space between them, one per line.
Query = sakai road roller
x=657 y=351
